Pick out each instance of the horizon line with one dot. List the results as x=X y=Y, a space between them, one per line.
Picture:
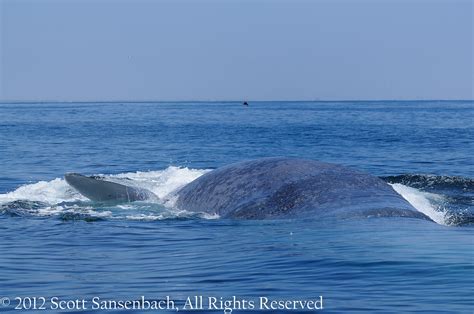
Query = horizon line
x=215 y=101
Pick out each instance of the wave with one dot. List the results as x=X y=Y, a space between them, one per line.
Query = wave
x=446 y=200
x=424 y=181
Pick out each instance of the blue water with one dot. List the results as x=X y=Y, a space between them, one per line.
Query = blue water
x=55 y=243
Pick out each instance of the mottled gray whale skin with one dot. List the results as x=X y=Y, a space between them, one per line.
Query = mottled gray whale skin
x=272 y=188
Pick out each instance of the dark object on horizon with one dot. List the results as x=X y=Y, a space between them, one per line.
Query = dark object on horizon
x=245 y=103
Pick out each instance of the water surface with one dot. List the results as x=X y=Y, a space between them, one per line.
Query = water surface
x=57 y=243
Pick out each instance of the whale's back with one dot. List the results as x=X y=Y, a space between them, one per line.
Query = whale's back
x=286 y=187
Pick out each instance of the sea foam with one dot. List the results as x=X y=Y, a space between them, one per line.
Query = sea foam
x=430 y=204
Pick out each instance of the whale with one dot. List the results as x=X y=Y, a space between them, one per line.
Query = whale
x=270 y=188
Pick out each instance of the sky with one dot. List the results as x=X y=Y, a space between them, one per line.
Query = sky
x=137 y=50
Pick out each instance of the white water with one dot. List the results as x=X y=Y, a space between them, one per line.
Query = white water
x=50 y=192
x=57 y=196
x=429 y=204
x=163 y=183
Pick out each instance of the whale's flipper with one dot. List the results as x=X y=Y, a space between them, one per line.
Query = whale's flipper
x=100 y=190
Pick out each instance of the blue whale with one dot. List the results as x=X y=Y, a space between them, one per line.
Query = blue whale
x=272 y=188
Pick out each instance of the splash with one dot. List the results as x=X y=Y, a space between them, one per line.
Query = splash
x=429 y=204
x=50 y=192
x=162 y=182
x=57 y=198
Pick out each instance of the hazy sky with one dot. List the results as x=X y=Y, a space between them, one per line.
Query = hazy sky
x=234 y=50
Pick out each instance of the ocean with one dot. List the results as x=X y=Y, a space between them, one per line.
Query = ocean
x=57 y=247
